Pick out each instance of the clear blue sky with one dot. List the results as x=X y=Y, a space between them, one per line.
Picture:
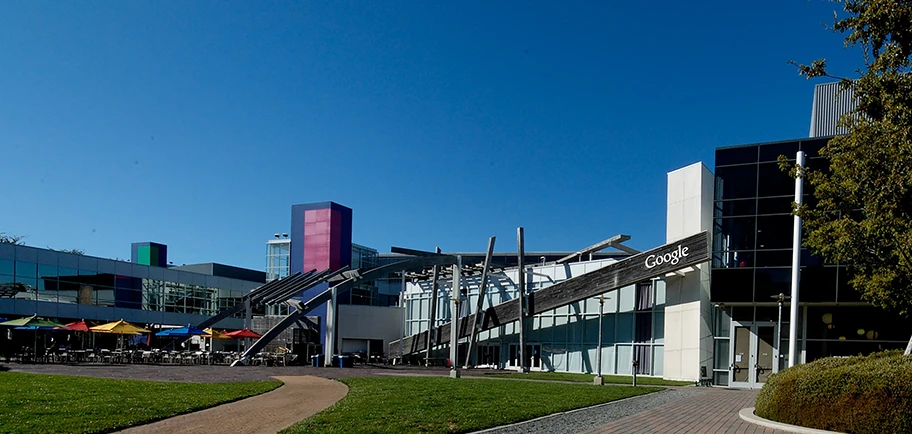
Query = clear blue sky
x=198 y=124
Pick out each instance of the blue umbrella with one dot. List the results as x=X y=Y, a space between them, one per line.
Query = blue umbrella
x=43 y=328
x=182 y=332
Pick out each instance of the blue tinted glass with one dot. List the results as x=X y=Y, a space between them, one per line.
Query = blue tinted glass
x=6 y=267
x=47 y=271
x=26 y=269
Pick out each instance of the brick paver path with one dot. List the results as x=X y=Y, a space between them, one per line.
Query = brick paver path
x=296 y=400
x=713 y=410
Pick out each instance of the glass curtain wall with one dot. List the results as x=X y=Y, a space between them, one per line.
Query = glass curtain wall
x=36 y=274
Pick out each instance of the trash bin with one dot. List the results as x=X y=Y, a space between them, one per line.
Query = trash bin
x=317 y=361
x=345 y=361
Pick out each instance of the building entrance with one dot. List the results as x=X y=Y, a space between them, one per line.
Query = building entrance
x=753 y=354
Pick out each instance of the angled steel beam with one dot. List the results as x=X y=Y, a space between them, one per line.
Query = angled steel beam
x=237 y=308
x=303 y=308
x=479 y=305
x=412 y=252
x=644 y=266
x=433 y=314
x=299 y=287
x=613 y=241
x=287 y=283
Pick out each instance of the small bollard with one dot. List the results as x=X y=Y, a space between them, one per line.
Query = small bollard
x=635 y=364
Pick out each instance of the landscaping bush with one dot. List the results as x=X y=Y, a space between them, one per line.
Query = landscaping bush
x=865 y=394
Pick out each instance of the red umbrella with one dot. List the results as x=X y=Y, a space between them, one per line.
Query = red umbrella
x=246 y=333
x=79 y=326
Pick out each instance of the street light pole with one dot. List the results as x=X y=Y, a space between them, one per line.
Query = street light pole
x=599 y=380
x=781 y=299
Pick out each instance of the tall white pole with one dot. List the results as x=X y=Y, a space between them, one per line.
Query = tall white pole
x=403 y=306
x=454 y=318
x=796 y=264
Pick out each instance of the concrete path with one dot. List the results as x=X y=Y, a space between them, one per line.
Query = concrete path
x=296 y=400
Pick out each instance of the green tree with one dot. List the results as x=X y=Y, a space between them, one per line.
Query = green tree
x=15 y=240
x=863 y=215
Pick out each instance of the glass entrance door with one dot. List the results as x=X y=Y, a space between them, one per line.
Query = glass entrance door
x=754 y=354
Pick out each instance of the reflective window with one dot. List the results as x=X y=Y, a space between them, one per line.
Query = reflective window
x=7 y=267
x=772 y=151
x=732 y=285
x=775 y=182
x=730 y=208
x=776 y=205
x=770 y=282
x=774 y=232
x=26 y=269
x=736 y=155
x=812 y=147
x=736 y=182
x=774 y=258
x=734 y=234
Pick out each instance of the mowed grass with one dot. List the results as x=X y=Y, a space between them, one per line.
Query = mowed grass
x=587 y=378
x=31 y=403
x=447 y=405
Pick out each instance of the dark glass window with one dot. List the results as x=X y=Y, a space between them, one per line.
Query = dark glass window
x=738 y=155
x=846 y=292
x=809 y=260
x=731 y=208
x=818 y=284
x=732 y=285
x=775 y=205
x=772 y=151
x=774 y=258
x=729 y=259
x=771 y=314
x=833 y=322
x=6 y=267
x=812 y=148
x=736 y=182
x=772 y=281
x=774 y=182
x=774 y=232
x=734 y=234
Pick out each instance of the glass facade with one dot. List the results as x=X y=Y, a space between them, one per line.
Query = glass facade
x=752 y=256
x=563 y=339
x=278 y=259
x=28 y=273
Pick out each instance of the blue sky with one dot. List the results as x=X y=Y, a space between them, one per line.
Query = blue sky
x=199 y=124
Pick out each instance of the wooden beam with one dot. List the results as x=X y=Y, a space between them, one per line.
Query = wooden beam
x=644 y=266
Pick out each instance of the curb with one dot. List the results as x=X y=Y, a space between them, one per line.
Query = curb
x=747 y=414
x=514 y=424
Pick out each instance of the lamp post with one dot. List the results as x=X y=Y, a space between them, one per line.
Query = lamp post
x=599 y=380
x=781 y=299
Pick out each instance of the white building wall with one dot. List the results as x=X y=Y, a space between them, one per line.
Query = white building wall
x=688 y=332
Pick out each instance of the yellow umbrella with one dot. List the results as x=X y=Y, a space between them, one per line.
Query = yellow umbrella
x=119 y=327
x=215 y=334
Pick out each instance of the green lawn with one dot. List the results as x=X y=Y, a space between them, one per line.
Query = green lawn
x=446 y=405
x=62 y=404
x=587 y=378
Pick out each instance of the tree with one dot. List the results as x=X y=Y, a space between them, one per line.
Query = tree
x=15 y=240
x=70 y=251
x=863 y=215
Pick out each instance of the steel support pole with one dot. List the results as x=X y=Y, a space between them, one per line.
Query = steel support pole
x=432 y=320
x=332 y=316
x=479 y=305
x=796 y=263
x=598 y=357
x=454 y=319
x=402 y=305
x=524 y=305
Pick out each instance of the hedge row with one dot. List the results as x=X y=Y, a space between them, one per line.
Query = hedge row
x=864 y=394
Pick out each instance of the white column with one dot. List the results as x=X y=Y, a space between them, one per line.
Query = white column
x=454 y=319
x=796 y=264
x=331 y=320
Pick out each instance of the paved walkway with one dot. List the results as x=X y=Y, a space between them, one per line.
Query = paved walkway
x=711 y=410
x=298 y=399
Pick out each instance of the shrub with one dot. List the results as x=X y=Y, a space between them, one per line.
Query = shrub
x=864 y=394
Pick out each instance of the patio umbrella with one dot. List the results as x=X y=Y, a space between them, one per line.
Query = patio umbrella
x=215 y=334
x=246 y=333
x=119 y=327
x=33 y=322
x=79 y=326
x=182 y=332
